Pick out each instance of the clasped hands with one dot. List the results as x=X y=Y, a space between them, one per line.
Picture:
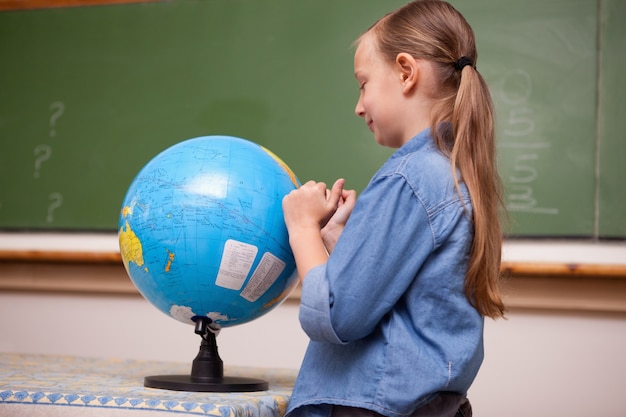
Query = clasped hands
x=315 y=218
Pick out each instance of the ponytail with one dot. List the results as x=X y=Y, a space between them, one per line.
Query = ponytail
x=473 y=154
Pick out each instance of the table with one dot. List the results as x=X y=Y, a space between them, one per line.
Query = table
x=34 y=385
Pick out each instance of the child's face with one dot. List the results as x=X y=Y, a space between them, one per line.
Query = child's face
x=380 y=93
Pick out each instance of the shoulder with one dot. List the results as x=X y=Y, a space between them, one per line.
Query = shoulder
x=425 y=170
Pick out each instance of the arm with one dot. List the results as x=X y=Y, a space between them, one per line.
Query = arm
x=375 y=261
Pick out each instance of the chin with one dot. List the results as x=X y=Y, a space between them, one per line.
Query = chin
x=386 y=142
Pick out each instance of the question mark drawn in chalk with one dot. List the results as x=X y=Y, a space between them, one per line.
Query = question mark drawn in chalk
x=57 y=201
x=57 y=109
x=42 y=153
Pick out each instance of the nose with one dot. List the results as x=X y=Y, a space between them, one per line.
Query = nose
x=359 y=110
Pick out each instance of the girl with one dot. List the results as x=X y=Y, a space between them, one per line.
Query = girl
x=395 y=312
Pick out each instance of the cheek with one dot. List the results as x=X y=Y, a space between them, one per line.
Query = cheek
x=368 y=102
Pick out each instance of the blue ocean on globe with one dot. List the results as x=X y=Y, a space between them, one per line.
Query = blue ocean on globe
x=202 y=234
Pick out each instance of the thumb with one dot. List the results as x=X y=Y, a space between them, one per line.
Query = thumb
x=335 y=192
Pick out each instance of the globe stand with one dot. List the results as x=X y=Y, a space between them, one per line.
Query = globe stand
x=207 y=370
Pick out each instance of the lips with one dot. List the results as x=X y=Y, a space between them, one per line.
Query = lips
x=370 y=125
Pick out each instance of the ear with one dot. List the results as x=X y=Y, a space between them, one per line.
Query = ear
x=408 y=71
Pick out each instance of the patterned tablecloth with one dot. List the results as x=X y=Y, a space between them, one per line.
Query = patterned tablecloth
x=61 y=385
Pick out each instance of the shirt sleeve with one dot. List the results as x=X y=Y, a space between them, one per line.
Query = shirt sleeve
x=379 y=254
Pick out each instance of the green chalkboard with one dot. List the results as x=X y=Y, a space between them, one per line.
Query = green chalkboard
x=88 y=95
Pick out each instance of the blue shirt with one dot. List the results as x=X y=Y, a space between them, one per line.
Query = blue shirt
x=389 y=323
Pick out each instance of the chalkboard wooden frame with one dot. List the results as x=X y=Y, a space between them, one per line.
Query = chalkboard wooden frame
x=49 y=4
x=530 y=285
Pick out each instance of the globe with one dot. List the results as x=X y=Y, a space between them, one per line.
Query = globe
x=202 y=234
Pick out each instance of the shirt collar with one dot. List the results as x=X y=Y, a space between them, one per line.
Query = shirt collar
x=419 y=141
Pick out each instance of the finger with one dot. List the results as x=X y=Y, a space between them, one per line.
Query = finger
x=309 y=184
x=336 y=192
x=348 y=196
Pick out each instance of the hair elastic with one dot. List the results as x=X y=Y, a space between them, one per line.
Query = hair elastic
x=462 y=62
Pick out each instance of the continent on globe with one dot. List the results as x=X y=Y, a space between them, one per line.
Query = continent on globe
x=131 y=246
x=202 y=234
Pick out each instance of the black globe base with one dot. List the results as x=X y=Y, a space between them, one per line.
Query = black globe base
x=207 y=370
x=187 y=383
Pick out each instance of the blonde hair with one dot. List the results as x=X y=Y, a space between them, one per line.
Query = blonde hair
x=462 y=124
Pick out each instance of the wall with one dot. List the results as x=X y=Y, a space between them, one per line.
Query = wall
x=552 y=356
x=538 y=363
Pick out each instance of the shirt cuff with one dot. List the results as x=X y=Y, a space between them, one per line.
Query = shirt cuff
x=315 y=303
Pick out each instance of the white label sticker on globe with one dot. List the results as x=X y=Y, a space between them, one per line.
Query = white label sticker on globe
x=236 y=262
x=265 y=274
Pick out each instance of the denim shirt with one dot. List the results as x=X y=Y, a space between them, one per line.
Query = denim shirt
x=389 y=323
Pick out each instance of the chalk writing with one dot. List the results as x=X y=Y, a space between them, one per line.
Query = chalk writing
x=57 y=108
x=518 y=133
x=41 y=153
x=56 y=200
